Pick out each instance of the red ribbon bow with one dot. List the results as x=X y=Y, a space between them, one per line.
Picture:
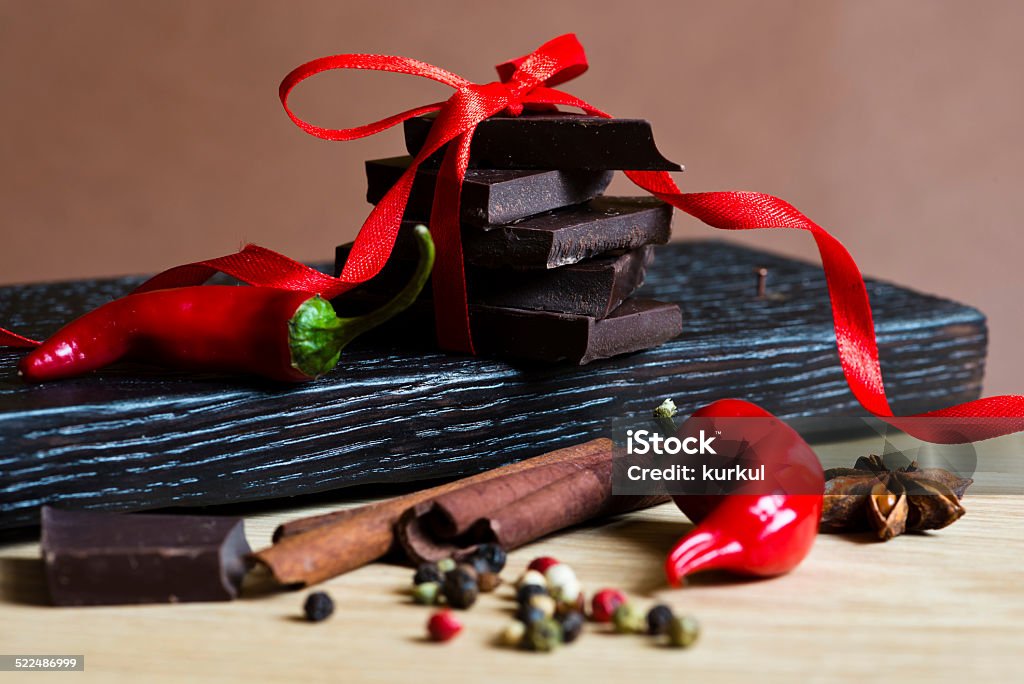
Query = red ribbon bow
x=524 y=82
x=529 y=81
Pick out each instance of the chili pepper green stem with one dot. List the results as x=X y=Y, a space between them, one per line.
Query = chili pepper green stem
x=317 y=335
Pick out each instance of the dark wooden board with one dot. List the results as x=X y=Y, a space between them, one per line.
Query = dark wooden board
x=135 y=438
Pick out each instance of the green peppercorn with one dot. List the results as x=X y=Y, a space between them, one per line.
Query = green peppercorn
x=460 y=587
x=426 y=593
x=629 y=619
x=493 y=554
x=427 y=572
x=683 y=631
x=446 y=565
x=528 y=591
x=666 y=409
x=318 y=606
x=543 y=635
x=658 y=618
x=572 y=625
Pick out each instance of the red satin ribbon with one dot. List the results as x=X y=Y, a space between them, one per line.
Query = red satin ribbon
x=528 y=82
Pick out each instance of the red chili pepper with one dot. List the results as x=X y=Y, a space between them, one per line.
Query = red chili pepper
x=279 y=334
x=759 y=534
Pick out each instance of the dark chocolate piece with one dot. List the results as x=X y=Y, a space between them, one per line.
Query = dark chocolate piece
x=94 y=558
x=547 y=336
x=559 y=238
x=490 y=196
x=554 y=141
x=636 y=325
x=593 y=287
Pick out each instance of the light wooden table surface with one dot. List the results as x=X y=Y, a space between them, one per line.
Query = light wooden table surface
x=947 y=606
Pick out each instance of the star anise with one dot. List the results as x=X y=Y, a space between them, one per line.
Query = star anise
x=870 y=496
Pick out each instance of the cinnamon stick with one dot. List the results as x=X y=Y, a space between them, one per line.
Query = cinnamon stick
x=315 y=549
x=514 y=510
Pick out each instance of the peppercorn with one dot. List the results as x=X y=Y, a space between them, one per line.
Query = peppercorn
x=528 y=614
x=604 y=603
x=545 y=604
x=572 y=625
x=443 y=625
x=566 y=607
x=427 y=572
x=318 y=606
x=446 y=565
x=460 y=587
x=658 y=618
x=683 y=631
x=563 y=583
x=467 y=569
x=427 y=593
x=493 y=554
x=513 y=633
x=569 y=591
x=488 y=581
x=542 y=635
x=542 y=564
x=480 y=565
x=528 y=591
x=629 y=619
x=532 y=577
x=666 y=409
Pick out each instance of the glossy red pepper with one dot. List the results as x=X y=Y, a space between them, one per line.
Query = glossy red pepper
x=279 y=334
x=759 y=534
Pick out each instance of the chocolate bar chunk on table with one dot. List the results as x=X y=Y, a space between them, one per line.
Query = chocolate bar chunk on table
x=490 y=196
x=95 y=558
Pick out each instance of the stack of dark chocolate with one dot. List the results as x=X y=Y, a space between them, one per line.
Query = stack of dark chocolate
x=551 y=262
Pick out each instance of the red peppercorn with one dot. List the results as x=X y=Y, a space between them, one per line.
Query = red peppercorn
x=604 y=603
x=443 y=626
x=542 y=564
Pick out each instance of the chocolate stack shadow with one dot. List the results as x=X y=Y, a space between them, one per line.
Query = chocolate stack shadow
x=551 y=263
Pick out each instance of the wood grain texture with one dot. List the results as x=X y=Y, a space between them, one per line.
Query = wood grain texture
x=936 y=607
x=134 y=438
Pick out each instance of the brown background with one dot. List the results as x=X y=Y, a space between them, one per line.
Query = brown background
x=135 y=136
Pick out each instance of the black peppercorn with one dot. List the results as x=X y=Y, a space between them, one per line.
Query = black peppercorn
x=318 y=606
x=466 y=570
x=460 y=587
x=427 y=572
x=492 y=554
x=658 y=619
x=480 y=565
x=528 y=591
x=528 y=614
x=572 y=625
